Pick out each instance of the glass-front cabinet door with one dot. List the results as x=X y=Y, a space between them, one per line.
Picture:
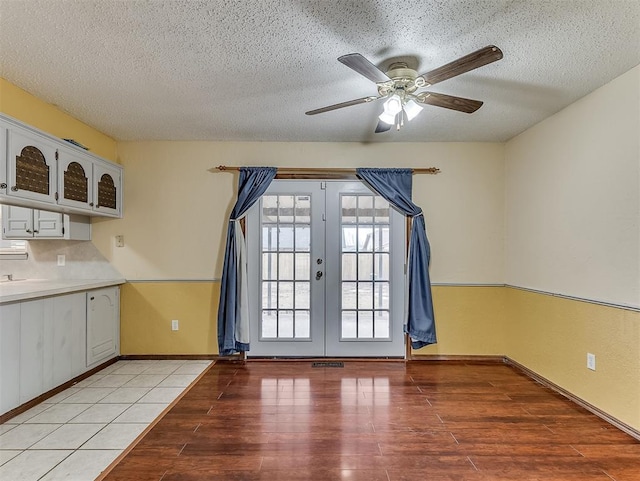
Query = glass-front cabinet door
x=107 y=192
x=75 y=184
x=32 y=167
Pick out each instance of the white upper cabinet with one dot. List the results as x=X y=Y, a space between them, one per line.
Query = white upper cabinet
x=75 y=180
x=3 y=160
x=48 y=224
x=32 y=166
x=26 y=223
x=17 y=222
x=107 y=190
x=40 y=171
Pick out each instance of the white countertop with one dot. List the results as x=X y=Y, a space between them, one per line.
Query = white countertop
x=21 y=290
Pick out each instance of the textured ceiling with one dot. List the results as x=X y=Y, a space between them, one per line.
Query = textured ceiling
x=249 y=69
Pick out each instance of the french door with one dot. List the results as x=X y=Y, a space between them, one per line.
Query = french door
x=326 y=271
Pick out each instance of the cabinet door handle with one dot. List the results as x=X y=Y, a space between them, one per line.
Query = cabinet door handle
x=14 y=188
x=35 y=231
x=3 y=186
x=29 y=231
x=92 y=298
x=91 y=204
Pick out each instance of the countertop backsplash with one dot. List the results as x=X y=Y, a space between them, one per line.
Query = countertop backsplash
x=82 y=261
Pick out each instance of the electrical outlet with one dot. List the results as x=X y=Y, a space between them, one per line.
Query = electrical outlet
x=119 y=241
x=61 y=260
x=591 y=361
x=174 y=325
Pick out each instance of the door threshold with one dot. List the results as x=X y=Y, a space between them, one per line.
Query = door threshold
x=325 y=359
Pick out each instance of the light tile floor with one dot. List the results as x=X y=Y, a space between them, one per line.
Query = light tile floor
x=77 y=433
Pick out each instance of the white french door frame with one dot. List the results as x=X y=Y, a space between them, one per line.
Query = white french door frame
x=313 y=345
x=326 y=330
x=336 y=345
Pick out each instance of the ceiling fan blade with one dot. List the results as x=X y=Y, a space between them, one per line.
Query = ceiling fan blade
x=382 y=127
x=464 y=64
x=449 y=102
x=361 y=65
x=341 y=105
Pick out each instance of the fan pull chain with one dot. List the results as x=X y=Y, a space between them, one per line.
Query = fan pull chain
x=400 y=120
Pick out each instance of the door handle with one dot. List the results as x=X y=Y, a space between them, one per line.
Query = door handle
x=318 y=275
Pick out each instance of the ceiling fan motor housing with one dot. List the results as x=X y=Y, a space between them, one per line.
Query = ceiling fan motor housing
x=402 y=78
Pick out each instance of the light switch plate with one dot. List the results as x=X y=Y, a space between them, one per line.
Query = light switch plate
x=591 y=361
x=61 y=260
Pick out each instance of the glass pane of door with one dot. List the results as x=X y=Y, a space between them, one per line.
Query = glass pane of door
x=286 y=252
x=364 y=254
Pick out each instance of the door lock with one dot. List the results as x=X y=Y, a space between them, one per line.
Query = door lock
x=318 y=275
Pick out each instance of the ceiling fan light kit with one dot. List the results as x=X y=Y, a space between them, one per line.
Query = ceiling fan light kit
x=399 y=85
x=395 y=105
x=392 y=107
x=411 y=109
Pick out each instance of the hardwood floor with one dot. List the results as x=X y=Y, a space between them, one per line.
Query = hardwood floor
x=378 y=421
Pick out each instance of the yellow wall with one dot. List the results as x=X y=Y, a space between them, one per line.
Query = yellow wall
x=176 y=212
x=470 y=320
x=148 y=308
x=23 y=106
x=551 y=336
x=572 y=227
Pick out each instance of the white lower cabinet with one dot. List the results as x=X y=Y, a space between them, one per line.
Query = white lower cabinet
x=9 y=357
x=48 y=341
x=65 y=346
x=103 y=325
x=31 y=349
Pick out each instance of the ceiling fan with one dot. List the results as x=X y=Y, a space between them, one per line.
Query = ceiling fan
x=400 y=85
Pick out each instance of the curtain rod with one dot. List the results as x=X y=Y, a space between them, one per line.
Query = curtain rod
x=316 y=172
